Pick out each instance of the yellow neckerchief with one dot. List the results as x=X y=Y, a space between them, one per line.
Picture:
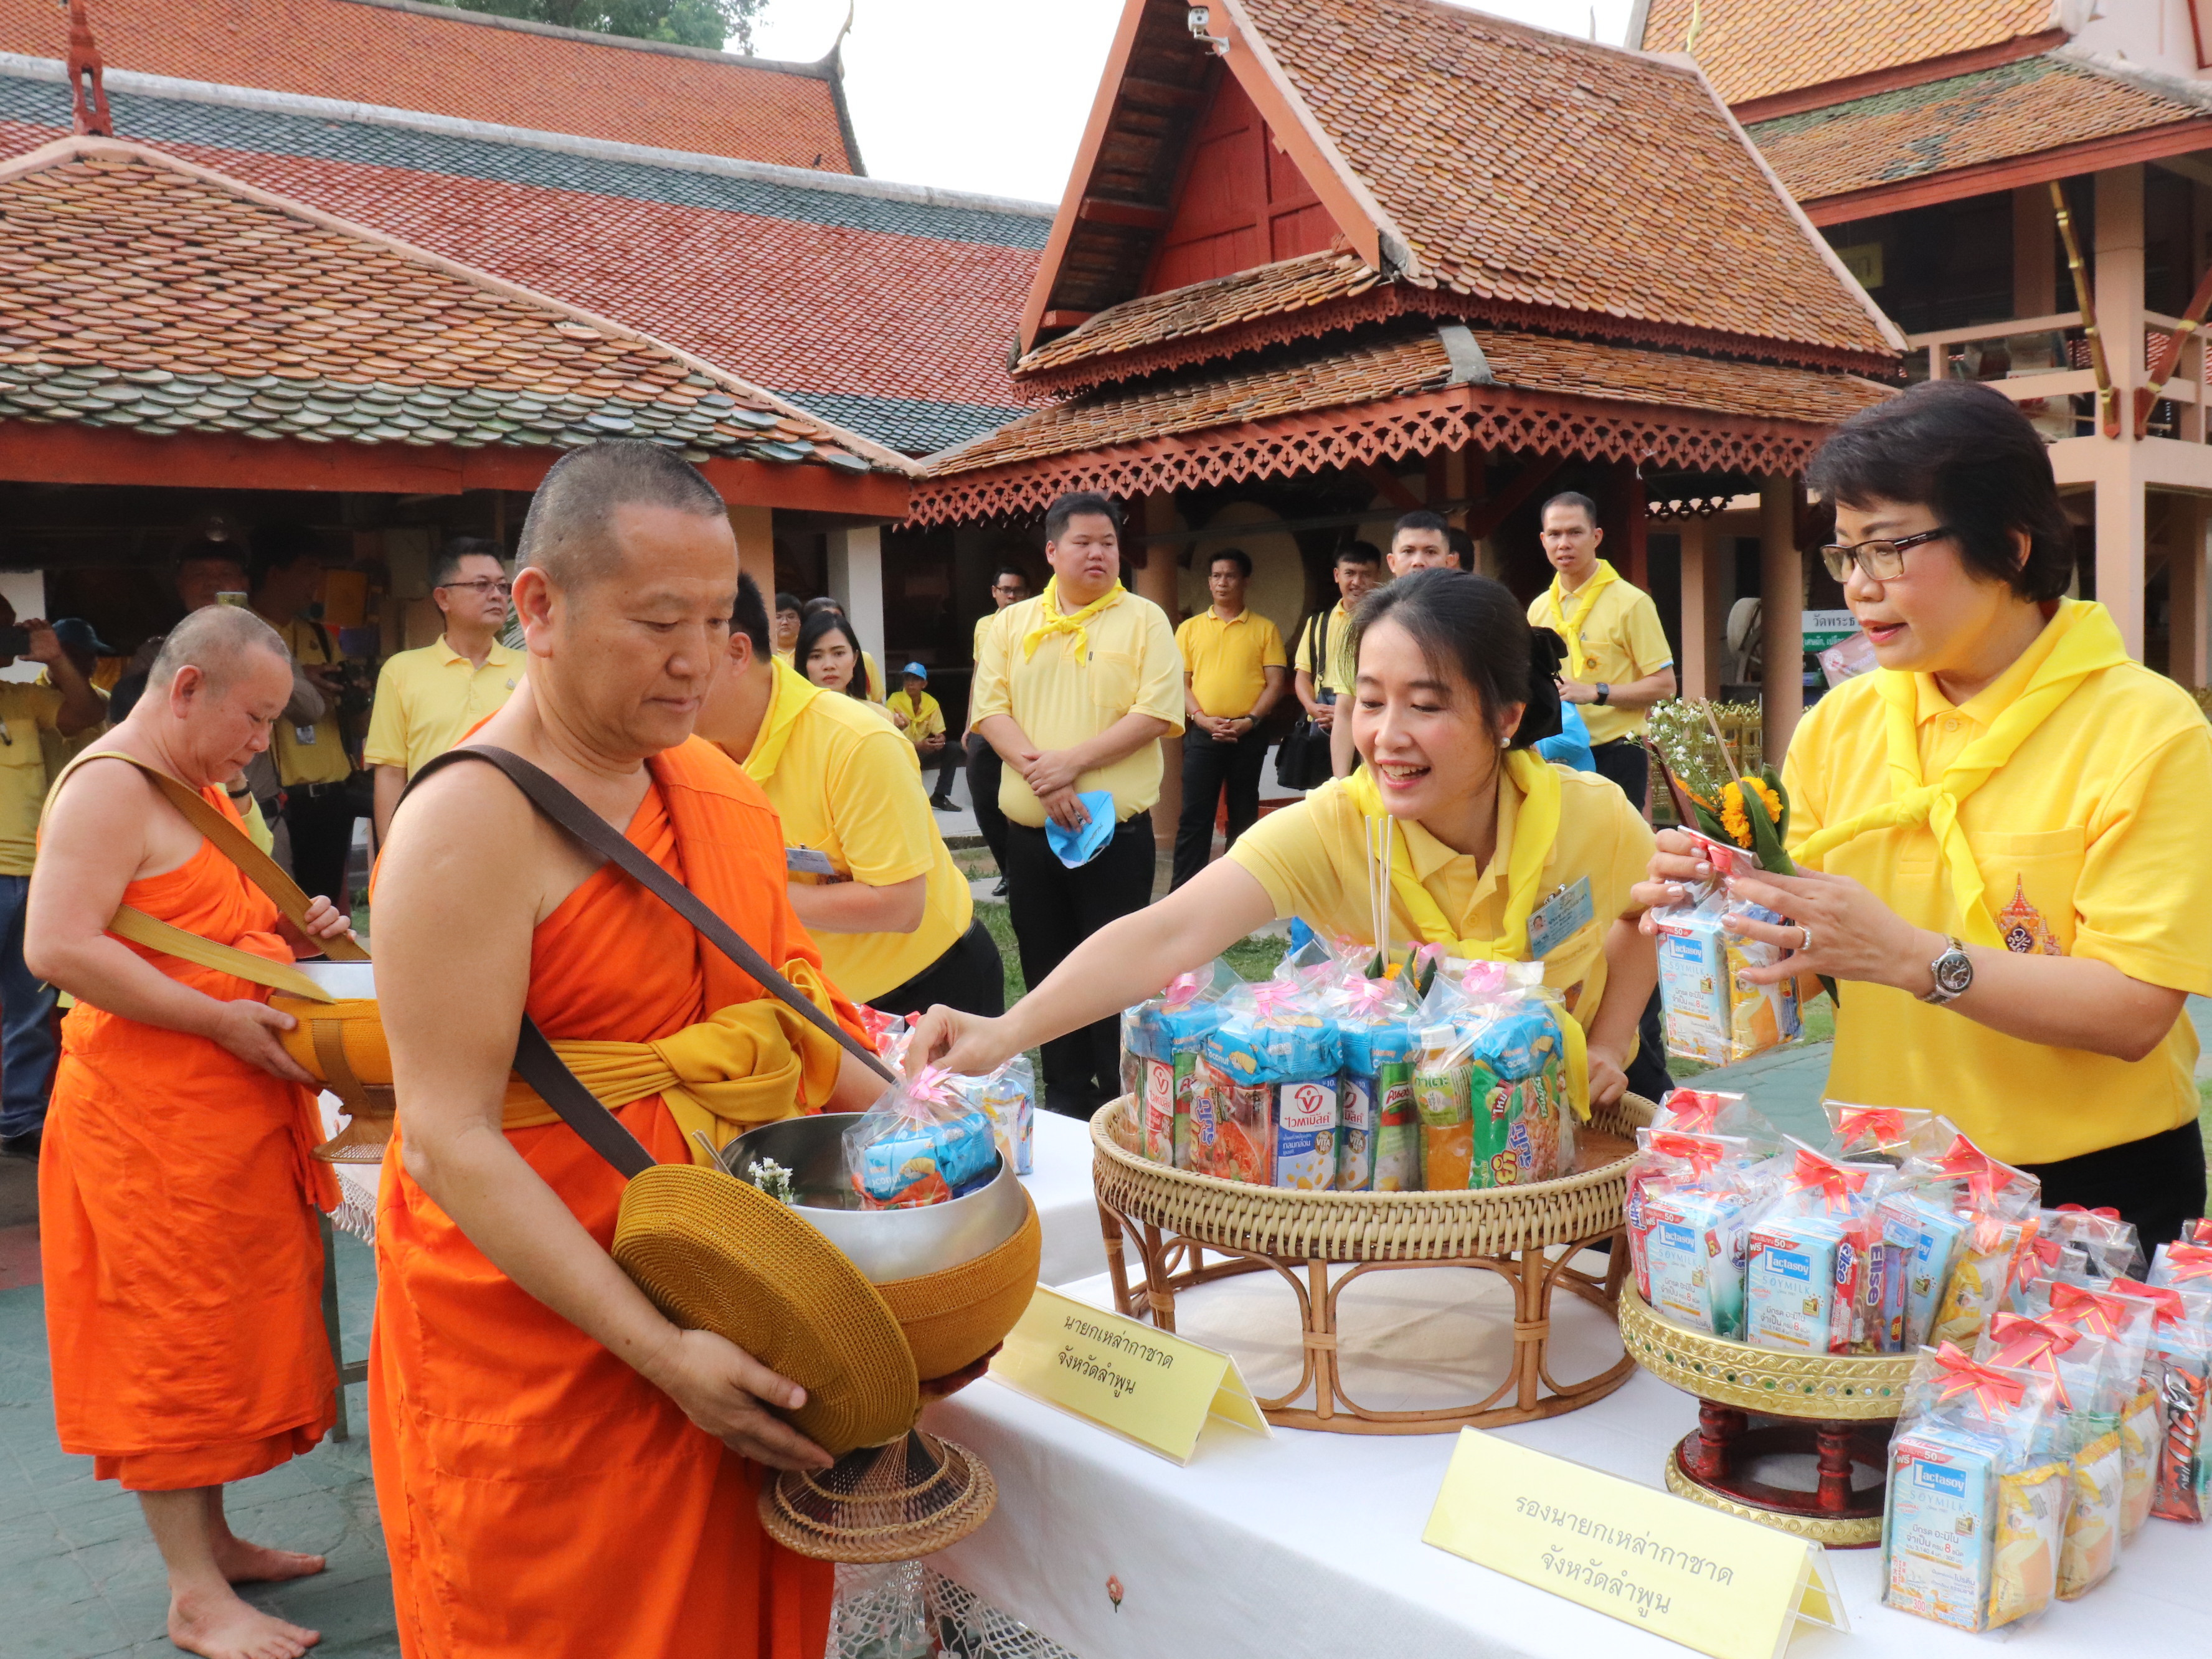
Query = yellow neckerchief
x=748 y=1064
x=1571 y=628
x=1054 y=623
x=789 y=692
x=1534 y=830
x=2079 y=640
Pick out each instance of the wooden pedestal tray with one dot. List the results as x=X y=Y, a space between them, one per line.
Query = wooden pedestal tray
x=1528 y=1236
x=1837 y=1408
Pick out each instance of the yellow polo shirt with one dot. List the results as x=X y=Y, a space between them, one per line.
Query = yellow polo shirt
x=1333 y=653
x=927 y=720
x=1624 y=641
x=429 y=698
x=1059 y=697
x=846 y=784
x=1312 y=858
x=321 y=756
x=2091 y=841
x=27 y=713
x=1228 y=661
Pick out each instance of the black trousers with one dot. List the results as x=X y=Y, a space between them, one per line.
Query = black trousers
x=1209 y=766
x=1624 y=762
x=322 y=840
x=2157 y=1182
x=984 y=768
x=969 y=976
x=1056 y=909
x=947 y=762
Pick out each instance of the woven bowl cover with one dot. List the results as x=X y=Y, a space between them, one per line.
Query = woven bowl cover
x=366 y=1050
x=716 y=1254
x=953 y=1318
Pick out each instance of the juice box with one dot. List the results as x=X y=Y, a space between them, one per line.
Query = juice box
x=1711 y=1015
x=1305 y=1135
x=1693 y=1258
x=1442 y=1078
x=1801 y=1279
x=1942 y=1517
x=1397 y=1131
x=1355 y=1134
x=1936 y=1234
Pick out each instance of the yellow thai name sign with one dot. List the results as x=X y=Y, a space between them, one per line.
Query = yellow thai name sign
x=1145 y=1385
x=1724 y=1586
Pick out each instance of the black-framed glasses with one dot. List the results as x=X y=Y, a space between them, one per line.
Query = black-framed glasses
x=480 y=584
x=1882 y=561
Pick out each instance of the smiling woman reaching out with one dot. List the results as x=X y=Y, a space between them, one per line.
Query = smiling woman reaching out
x=1448 y=702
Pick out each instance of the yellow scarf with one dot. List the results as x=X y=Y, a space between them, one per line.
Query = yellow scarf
x=2082 y=641
x=748 y=1064
x=1054 y=623
x=792 y=692
x=1571 y=628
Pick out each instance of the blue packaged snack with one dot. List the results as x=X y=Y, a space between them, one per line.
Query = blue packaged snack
x=1378 y=1135
x=920 y=1144
x=1272 y=1039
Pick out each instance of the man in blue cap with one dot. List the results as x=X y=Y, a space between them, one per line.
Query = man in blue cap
x=921 y=719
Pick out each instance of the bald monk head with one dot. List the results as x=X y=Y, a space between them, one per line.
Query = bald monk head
x=214 y=693
x=629 y=572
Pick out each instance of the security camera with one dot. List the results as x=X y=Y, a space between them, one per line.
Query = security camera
x=1202 y=19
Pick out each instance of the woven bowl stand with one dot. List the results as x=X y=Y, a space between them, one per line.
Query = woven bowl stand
x=1837 y=1408
x=1191 y=1230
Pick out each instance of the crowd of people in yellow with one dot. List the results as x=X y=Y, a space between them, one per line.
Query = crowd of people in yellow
x=542 y=1433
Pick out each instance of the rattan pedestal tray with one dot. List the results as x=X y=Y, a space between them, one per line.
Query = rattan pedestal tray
x=1842 y=1408
x=1528 y=1236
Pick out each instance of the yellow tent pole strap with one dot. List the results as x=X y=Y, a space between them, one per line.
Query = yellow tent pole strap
x=157 y=935
x=234 y=844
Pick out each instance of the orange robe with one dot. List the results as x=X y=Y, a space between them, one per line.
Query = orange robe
x=183 y=1262
x=540 y=1497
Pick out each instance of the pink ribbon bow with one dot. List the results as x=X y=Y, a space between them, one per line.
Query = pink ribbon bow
x=1272 y=998
x=1368 y=997
x=1183 y=991
x=1991 y=1388
x=933 y=1087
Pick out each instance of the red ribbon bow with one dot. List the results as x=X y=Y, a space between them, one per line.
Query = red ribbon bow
x=1693 y=1111
x=2189 y=1262
x=2030 y=1345
x=2104 y=1211
x=1836 y=1184
x=2088 y=1310
x=2170 y=1309
x=1991 y=1389
x=1699 y=1153
x=1880 y=1124
x=1979 y=1169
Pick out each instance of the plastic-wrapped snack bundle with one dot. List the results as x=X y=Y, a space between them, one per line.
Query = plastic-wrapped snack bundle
x=1689 y=1199
x=889 y=1032
x=1708 y=1112
x=2186 y=1265
x=919 y=1144
x=2087 y=1434
x=1524 y=1121
x=1998 y=1203
x=1807 y=1254
x=1711 y=1013
x=1884 y=1135
x=2198 y=1230
x=1272 y=1067
x=2106 y=1243
x=1924 y=1222
x=1974 y=1518
x=1008 y=1097
x=2120 y=1328
x=1442 y=1083
x=1161 y=1041
x=2178 y=1369
x=1379 y=1144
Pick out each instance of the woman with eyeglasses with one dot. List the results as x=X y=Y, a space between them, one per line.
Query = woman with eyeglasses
x=2001 y=828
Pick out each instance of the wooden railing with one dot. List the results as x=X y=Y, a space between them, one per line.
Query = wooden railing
x=2030 y=360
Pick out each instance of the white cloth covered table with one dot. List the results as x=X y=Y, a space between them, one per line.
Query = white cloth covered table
x=1059 y=1186
x=1311 y=1543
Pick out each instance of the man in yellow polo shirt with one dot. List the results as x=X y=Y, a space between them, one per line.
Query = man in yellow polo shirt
x=1233 y=674
x=869 y=875
x=1618 y=662
x=1322 y=665
x=918 y=714
x=1075 y=688
x=429 y=698
x=311 y=761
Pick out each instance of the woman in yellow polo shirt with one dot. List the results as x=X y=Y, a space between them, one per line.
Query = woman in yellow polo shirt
x=1493 y=844
x=2008 y=821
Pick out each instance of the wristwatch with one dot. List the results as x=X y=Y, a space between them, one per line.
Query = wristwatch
x=1604 y=694
x=1954 y=973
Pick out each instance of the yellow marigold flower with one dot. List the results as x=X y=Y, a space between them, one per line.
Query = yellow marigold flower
x=1735 y=818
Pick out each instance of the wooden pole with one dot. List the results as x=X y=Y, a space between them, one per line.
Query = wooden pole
x=1782 y=615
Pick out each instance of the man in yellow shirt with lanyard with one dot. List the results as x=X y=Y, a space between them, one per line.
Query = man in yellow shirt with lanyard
x=1233 y=675
x=428 y=698
x=1075 y=688
x=311 y=763
x=869 y=875
x=1322 y=665
x=1010 y=584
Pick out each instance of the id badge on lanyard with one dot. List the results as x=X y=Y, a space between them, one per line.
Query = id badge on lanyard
x=1568 y=910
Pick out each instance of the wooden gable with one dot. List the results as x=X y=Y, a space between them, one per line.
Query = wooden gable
x=1242 y=201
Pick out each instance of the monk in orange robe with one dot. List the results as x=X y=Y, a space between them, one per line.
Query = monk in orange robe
x=561 y=1470
x=182 y=1263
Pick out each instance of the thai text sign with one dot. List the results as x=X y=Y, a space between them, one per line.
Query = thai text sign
x=1143 y=1384
x=1727 y=1587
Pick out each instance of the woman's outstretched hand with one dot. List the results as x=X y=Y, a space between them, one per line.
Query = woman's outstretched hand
x=966 y=1043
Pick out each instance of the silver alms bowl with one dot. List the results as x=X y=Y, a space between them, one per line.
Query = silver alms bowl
x=885 y=1245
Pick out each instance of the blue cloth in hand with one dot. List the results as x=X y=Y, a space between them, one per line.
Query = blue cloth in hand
x=1077 y=847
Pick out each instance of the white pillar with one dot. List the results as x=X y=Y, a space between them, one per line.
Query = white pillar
x=1782 y=615
x=856 y=581
x=1707 y=590
x=754 y=529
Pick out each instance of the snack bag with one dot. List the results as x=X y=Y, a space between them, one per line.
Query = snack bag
x=1807 y=1254
x=1688 y=1202
x=1008 y=1097
x=888 y=1033
x=1378 y=1146
x=2083 y=1432
x=1973 y=1520
x=2177 y=1374
x=2106 y=1243
x=921 y=1143
x=2122 y=1328
x=1884 y=1135
x=1272 y=1067
x=1711 y=1014
x=1161 y=1041
x=1524 y=1119
x=1924 y=1222
x=1998 y=1203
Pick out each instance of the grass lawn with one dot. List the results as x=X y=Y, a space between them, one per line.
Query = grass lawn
x=1253 y=958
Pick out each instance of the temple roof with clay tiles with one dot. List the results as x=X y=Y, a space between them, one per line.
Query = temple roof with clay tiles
x=405 y=55
x=885 y=308
x=1374 y=228
x=139 y=291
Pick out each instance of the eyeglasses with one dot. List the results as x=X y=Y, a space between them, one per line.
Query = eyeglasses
x=1883 y=562
x=480 y=584
x=1013 y=592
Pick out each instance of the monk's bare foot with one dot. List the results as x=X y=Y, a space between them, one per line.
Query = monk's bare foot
x=224 y=1627
x=243 y=1563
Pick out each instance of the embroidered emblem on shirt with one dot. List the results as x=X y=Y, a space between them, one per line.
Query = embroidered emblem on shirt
x=2021 y=926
